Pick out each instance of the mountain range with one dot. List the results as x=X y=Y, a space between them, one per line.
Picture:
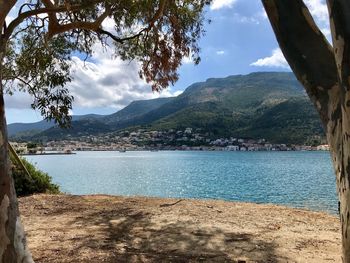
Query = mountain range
x=270 y=105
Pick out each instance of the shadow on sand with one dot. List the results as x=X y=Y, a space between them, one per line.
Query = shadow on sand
x=119 y=234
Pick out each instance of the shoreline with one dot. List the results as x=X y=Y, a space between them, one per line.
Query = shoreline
x=47 y=153
x=194 y=149
x=104 y=228
x=333 y=213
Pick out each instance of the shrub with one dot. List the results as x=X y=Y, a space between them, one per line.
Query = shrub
x=40 y=182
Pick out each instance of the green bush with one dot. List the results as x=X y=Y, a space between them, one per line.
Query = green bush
x=40 y=182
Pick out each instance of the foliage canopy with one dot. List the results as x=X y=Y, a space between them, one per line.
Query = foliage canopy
x=37 y=45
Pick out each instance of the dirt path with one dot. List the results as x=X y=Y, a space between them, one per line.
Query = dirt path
x=63 y=228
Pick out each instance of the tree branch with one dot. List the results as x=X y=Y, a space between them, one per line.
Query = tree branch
x=27 y=83
x=21 y=17
x=5 y=7
x=157 y=15
x=96 y=25
x=53 y=22
x=116 y=38
x=306 y=49
x=93 y=26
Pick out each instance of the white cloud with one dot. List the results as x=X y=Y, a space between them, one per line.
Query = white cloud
x=106 y=82
x=238 y=18
x=248 y=19
x=275 y=60
x=218 y=4
x=220 y=52
x=109 y=82
x=318 y=9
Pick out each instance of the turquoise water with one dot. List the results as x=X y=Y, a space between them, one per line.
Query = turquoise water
x=297 y=179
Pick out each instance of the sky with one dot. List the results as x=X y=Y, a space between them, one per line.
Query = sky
x=239 y=40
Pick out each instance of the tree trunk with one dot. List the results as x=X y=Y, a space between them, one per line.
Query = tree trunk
x=339 y=13
x=338 y=146
x=324 y=71
x=340 y=149
x=13 y=248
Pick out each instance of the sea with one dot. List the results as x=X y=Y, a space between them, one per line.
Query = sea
x=295 y=179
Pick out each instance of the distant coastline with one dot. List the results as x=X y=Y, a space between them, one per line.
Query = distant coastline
x=158 y=141
x=270 y=105
x=48 y=153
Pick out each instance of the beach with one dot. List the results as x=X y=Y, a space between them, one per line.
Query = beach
x=100 y=228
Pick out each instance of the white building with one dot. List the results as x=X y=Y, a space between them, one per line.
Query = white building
x=232 y=148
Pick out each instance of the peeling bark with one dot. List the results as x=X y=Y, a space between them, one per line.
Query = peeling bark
x=4 y=240
x=339 y=14
x=325 y=73
x=13 y=247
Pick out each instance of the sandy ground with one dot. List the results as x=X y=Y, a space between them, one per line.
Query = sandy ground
x=64 y=228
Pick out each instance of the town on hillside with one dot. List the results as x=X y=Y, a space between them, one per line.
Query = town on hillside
x=141 y=139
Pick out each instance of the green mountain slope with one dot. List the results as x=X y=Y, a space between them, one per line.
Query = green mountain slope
x=134 y=110
x=273 y=106
x=103 y=124
x=270 y=105
x=28 y=129
x=78 y=128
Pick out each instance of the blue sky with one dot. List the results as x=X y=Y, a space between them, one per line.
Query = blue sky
x=238 y=41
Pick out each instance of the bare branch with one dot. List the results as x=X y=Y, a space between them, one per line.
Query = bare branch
x=27 y=83
x=157 y=15
x=116 y=38
x=25 y=5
